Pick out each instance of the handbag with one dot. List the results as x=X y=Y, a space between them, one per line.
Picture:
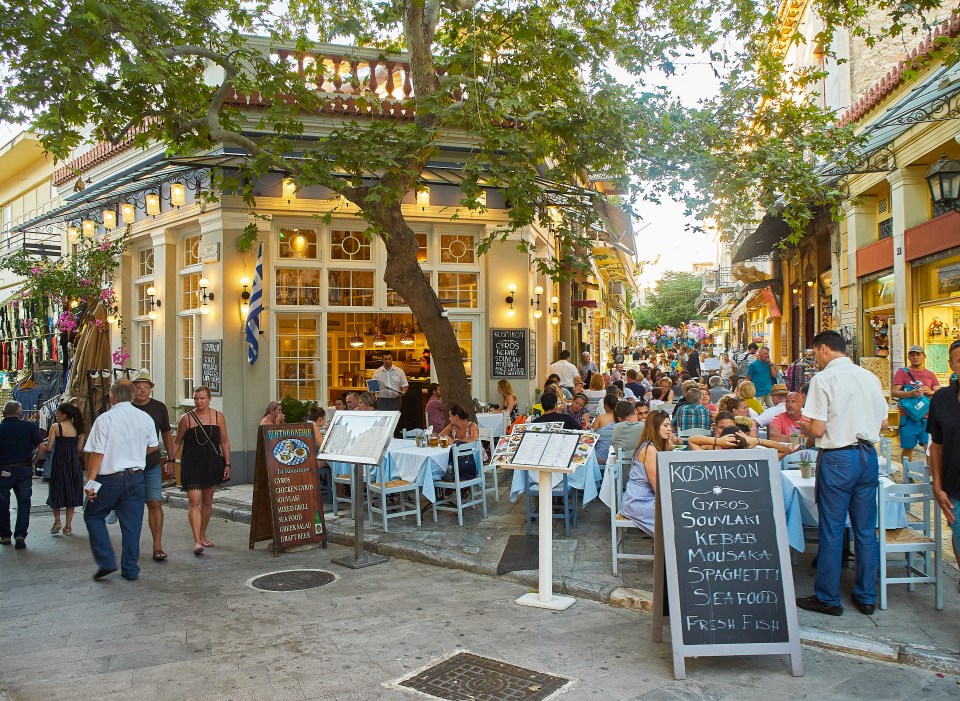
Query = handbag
x=915 y=407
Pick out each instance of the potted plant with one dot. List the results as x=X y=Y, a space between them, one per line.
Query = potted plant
x=806 y=464
x=794 y=437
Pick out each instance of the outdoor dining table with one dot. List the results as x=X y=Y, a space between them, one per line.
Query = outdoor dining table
x=799 y=500
x=791 y=461
x=494 y=421
x=584 y=478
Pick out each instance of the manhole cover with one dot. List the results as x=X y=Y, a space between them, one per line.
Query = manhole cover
x=465 y=676
x=291 y=580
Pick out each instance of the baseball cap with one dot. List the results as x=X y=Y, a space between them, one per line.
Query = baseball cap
x=915 y=349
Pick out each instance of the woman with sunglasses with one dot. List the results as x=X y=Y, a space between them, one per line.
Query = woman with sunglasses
x=640 y=495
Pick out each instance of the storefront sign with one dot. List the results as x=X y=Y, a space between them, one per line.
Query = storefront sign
x=211 y=366
x=508 y=353
x=287 y=504
x=724 y=544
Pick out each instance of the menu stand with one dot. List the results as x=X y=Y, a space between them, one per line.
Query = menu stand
x=360 y=557
x=544 y=597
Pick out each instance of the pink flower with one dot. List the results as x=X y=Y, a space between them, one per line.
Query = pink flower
x=84 y=281
x=120 y=356
x=100 y=324
x=67 y=322
x=36 y=270
x=105 y=245
x=108 y=295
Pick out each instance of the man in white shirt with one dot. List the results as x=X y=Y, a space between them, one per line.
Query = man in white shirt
x=117 y=446
x=845 y=411
x=778 y=396
x=393 y=384
x=564 y=369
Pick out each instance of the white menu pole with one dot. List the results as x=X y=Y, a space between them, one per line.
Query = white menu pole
x=544 y=598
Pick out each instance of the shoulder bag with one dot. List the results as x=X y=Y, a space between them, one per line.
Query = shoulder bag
x=914 y=407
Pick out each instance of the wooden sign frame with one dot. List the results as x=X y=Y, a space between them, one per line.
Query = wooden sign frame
x=522 y=338
x=266 y=519
x=666 y=565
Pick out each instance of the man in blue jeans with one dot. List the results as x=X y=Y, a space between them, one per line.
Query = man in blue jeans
x=118 y=445
x=18 y=439
x=845 y=411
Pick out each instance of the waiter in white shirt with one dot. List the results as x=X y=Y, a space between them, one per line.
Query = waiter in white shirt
x=393 y=384
x=845 y=411
x=118 y=444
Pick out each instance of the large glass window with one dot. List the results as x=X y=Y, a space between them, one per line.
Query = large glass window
x=458 y=248
x=190 y=292
x=145 y=345
x=145 y=262
x=350 y=288
x=349 y=245
x=298 y=357
x=188 y=357
x=298 y=286
x=143 y=300
x=299 y=244
x=191 y=251
x=458 y=289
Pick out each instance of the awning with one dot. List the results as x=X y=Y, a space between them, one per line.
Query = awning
x=584 y=304
x=771 y=232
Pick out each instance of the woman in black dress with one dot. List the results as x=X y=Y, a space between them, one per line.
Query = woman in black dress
x=204 y=464
x=65 y=441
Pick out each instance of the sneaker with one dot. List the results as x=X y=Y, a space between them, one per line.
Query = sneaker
x=21 y=544
x=864 y=608
x=5 y=540
x=812 y=603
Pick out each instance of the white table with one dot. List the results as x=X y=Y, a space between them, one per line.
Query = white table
x=495 y=421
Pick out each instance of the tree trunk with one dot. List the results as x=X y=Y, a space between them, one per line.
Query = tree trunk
x=404 y=275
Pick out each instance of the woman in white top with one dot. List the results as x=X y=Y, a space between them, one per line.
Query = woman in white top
x=595 y=394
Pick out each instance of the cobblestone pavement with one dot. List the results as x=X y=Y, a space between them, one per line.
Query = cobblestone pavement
x=191 y=628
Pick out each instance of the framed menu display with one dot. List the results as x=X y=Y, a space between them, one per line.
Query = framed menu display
x=546 y=445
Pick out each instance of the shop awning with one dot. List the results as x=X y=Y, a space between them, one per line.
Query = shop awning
x=771 y=232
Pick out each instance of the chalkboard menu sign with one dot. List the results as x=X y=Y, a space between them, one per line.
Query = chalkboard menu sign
x=508 y=351
x=211 y=365
x=722 y=535
x=287 y=504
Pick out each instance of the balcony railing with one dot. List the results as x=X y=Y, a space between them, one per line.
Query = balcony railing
x=35 y=244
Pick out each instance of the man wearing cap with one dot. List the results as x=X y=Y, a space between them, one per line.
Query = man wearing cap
x=778 y=395
x=152 y=477
x=909 y=382
x=762 y=372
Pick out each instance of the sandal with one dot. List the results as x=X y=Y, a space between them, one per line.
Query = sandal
x=67 y=530
x=198 y=551
x=56 y=528
x=207 y=544
x=159 y=555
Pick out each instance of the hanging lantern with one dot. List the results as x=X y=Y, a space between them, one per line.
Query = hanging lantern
x=356 y=341
x=109 y=219
x=89 y=228
x=153 y=204
x=73 y=234
x=407 y=339
x=178 y=194
x=128 y=212
x=289 y=188
x=423 y=196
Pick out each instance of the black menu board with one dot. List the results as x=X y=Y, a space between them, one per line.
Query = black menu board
x=508 y=351
x=211 y=365
x=724 y=542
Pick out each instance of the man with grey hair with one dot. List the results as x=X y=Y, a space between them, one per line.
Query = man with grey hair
x=118 y=445
x=18 y=439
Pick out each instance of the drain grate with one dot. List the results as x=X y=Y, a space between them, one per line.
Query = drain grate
x=292 y=580
x=465 y=676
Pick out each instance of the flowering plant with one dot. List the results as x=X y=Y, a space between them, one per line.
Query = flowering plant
x=806 y=460
x=120 y=356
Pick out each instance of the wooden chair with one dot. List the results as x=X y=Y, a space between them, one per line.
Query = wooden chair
x=916 y=471
x=390 y=498
x=454 y=500
x=885 y=449
x=621 y=465
x=563 y=491
x=345 y=480
x=486 y=436
x=923 y=539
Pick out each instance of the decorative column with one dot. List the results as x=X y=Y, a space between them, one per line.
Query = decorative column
x=165 y=348
x=909 y=199
x=861 y=221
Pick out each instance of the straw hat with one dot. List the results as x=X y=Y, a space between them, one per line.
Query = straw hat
x=143 y=376
x=779 y=389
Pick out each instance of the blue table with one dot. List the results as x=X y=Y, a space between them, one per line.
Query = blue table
x=584 y=478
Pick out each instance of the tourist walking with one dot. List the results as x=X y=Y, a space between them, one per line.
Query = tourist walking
x=204 y=464
x=762 y=372
x=65 y=443
x=845 y=411
x=156 y=467
x=18 y=438
x=117 y=447
x=910 y=384
x=564 y=370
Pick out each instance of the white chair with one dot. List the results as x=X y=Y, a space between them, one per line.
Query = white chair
x=921 y=540
x=399 y=489
x=916 y=471
x=668 y=407
x=454 y=500
x=345 y=480
x=412 y=432
x=621 y=466
x=884 y=450
x=694 y=432
x=486 y=436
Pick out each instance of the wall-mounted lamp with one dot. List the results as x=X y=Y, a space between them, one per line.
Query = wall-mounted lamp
x=796 y=290
x=128 y=212
x=298 y=243
x=109 y=219
x=423 y=196
x=554 y=310
x=178 y=194
x=244 y=297
x=154 y=302
x=89 y=228
x=73 y=234
x=809 y=283
x=482 y=197
x=289 y=189
x=537 y=311
x=153 y=204
x=512 y=290
x=204 y=296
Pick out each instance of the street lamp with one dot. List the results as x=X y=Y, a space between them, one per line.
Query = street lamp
x=944 y=181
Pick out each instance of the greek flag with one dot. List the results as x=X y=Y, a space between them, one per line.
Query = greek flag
x=256 y=306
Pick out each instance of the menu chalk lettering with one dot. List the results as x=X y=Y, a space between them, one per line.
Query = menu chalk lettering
x=508 y=351
x=211 y=361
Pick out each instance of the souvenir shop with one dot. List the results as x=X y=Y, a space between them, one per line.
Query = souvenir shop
x=936 y=292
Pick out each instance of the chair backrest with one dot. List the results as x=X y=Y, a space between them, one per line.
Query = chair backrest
x=910 y=495
x=622 y=465
x=466 y=449
x=668 y=407
x=412 y=432
x=916 y=471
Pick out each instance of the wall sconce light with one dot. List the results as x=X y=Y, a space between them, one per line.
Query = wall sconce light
x=809 y=283
x=153 y=204
x=537 y=311
x=178 y=195
x=113 y=319
x=128 y=212
x=109 y=219
x=554 y=310
x=73 y=234
x=205 y=296
x=289 y=189
x=154 y=303
x=796 y=290
x=244 y=297
x=423 y=196
x=298 y=243
x=512 y=290
x=482 y=197
x=356 y=341
x=89 y=228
